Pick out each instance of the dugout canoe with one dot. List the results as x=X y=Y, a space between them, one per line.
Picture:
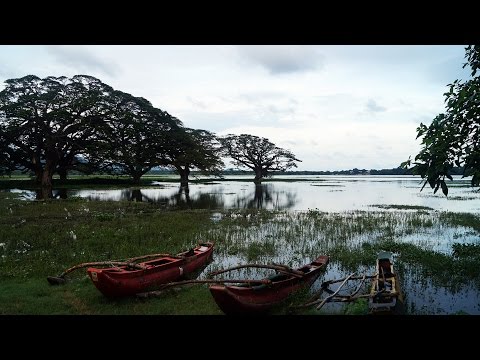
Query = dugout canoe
x=254 y=298
x=126 y=281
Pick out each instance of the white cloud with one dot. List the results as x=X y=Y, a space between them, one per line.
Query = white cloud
x=335 y=107
x=278 y=59
x=373 y=107
x=82 y=60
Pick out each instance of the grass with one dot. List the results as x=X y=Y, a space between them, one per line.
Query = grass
x=34 y=296
x=42 y=238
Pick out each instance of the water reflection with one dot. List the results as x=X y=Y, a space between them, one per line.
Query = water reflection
x=327 y=193
x=266 y=197
x=201 y=196
x=358 y=193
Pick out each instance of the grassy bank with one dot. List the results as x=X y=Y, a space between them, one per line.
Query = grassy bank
x=42 y=238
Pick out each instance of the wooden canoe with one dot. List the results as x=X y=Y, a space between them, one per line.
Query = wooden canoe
x=254 y=298
x=385 y=293
x=126 y=281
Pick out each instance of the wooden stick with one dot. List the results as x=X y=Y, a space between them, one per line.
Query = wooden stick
x=343 y=299
x=102 y=263
x=58 y=280
x=355 y=291
x=206 y=281
x=329 y=282
x=336 y=292
x=282 y=269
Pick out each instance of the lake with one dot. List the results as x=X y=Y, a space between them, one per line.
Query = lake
x=325 y=193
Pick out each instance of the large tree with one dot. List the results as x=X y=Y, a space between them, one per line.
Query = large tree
x=133 y=137
x=190 y=149
x=257 y=154
x=453 y=139
x=6 y=164
x=46 y=123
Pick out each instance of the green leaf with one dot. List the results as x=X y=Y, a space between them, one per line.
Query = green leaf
x=444 y=187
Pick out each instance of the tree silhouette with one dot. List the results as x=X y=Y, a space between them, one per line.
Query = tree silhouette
x=258 y=154
x=46 y=123
x=190 y=149
x=133 y=137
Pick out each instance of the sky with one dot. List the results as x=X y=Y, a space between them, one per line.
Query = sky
x=336 y=107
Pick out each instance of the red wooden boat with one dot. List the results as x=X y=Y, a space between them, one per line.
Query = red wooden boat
x=259 y=298
x=125 y=281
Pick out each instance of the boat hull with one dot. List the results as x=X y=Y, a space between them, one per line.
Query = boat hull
x=120 y=281
x=261 y=298
x=385 y=293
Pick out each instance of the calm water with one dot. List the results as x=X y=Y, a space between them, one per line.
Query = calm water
x=325 y=193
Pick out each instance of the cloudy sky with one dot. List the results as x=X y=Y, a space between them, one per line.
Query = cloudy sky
x=335 y=107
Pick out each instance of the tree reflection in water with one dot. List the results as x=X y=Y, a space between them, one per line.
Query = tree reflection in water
x=180 y=199
x=256 y=196
x=266 y=197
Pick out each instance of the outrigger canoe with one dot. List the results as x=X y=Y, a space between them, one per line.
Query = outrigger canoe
x=385 y=293
x=126 y=280
x=259 y=298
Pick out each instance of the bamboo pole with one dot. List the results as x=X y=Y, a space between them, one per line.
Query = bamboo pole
x=336 y=292
x=57 y=280
x=345 y=299
x=355 y=292
x=205 y=281
x=282 y=269
x=329 y=282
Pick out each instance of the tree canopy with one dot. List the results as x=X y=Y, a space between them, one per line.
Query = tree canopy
x=192 y=149
x=46 y=122
x=133 y=136
x=452 y=139
x=257 y=154
x=56 y=124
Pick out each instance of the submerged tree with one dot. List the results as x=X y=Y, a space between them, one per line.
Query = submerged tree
x=258 y=154
x=452 y=139
x=190 y=149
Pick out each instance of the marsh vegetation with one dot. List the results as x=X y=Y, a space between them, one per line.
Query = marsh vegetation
x=436 y=252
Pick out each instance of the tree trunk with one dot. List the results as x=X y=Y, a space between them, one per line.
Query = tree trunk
x=63 y=174
x=37 y=168
x=258 y=176
x=47 y=175
x=136 y=178
x=46 y=193
x=183 y=176
x=38 y=176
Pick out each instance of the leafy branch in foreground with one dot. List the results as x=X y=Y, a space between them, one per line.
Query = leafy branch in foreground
x=452 y=139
